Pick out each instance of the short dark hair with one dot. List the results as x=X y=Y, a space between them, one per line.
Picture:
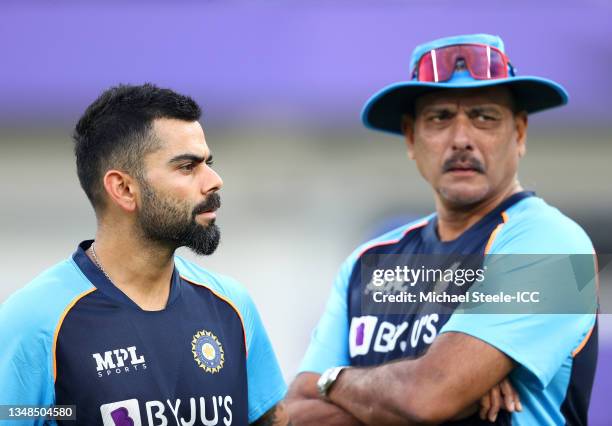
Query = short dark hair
x=115 y=132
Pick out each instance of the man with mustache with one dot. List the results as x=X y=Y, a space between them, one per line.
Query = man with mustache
x=463 y=116
x=124 y=330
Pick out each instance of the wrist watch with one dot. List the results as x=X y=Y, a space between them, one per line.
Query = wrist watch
x=327 y=379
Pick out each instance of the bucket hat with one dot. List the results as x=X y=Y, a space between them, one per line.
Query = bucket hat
x=384 y=110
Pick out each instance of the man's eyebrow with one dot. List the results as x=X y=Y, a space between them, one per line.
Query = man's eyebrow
x=439 y=108
x=484 y=108
x=190 y=157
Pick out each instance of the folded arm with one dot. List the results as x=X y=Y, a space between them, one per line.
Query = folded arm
x=450 y=378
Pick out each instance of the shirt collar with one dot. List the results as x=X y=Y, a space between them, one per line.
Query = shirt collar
x=102 y=283
x=430 y=232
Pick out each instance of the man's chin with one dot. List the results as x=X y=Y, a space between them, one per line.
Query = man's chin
x=206 y=241
x=461 y=196
x=202 y=251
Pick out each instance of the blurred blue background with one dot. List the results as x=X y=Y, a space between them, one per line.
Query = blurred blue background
x=282 y=85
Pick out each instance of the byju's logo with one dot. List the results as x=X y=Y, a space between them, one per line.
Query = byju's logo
x=360 y=334
x=367 y=335
x=119 y=361
x=208 y=411
x=121 y=413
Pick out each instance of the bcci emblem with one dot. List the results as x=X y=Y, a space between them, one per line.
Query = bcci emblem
x=207 y=351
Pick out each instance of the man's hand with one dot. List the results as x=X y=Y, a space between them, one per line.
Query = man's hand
x=501 y=396
x=275 y=416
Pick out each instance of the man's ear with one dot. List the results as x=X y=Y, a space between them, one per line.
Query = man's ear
x=121 y=189
x=521 y=122
x=408 y=130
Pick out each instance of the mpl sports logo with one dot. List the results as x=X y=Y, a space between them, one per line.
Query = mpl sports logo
x=211 y=411
x=118 y=361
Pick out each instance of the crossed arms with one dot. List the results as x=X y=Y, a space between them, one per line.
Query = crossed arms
x=444 y=384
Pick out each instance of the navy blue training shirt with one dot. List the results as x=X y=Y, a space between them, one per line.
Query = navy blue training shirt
x=555 y=354
x=71 y=337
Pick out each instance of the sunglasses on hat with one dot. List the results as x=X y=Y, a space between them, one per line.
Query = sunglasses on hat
x=483 y=62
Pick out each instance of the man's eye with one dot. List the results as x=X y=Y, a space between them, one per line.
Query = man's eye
x=187 y=167
x=210 y=162
x=485 y=117
x=437 y=118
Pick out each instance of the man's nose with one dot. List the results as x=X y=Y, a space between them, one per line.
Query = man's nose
x=461 y=132
x=211 y=181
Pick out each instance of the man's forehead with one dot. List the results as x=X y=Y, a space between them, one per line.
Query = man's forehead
x=466 y=97
x=179 y=135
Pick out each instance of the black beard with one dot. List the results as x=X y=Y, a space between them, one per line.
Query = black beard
x=172 y=224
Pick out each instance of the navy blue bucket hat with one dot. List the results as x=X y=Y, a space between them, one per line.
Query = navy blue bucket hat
x=385 y=109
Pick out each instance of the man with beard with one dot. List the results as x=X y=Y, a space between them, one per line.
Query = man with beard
x=124 y=330
x=463 y=116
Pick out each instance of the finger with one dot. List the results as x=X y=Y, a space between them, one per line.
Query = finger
x=509 y=394
x=485 y=404
x=495 y=403
x=515 y=395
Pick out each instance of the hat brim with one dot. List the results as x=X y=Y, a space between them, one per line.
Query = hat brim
x=384 y=110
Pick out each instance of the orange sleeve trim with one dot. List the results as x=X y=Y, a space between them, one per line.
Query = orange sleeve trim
x=229 y=302
x=492 y=238
x=59 y=325
x=504 y=216
x=583 y=343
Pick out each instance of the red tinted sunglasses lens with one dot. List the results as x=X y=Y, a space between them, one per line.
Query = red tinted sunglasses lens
x=436 y=65
x=484 y=62
x=499 y=64
x=425 y=68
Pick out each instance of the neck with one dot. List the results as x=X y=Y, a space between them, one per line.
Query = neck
x=140 y=269
x=454 y=221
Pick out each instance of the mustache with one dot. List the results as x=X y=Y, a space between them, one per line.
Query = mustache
x=212 y=202
x=463 y=160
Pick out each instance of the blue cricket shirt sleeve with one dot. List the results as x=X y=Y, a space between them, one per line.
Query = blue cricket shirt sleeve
x=538 y=342
x=25 y=374
x=28 y=322
x=266 y=385
x=329 y=341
